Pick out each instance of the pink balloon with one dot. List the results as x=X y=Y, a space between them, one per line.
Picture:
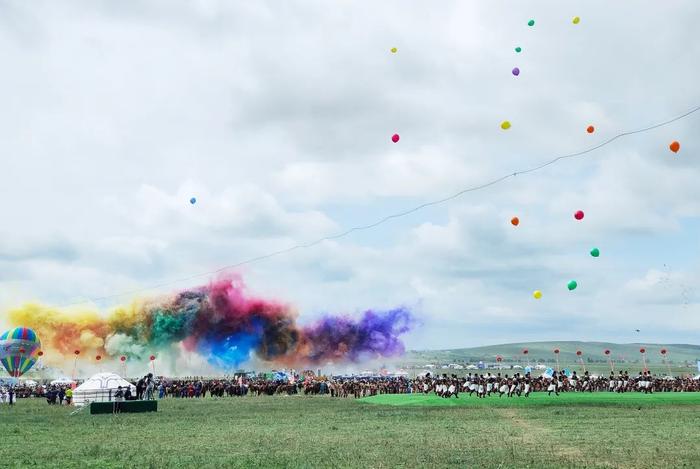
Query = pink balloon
x=578 y=215
x=395 y=138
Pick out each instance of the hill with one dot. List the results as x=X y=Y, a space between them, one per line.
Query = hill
x=543 y=351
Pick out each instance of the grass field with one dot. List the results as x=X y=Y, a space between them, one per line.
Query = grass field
x=600 y=430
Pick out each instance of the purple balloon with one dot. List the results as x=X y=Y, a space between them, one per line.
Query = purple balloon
x=516 y=71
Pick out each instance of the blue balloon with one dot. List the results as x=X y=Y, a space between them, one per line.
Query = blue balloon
x=193 y=200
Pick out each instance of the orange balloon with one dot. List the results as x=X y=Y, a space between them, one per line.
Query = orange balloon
x=515 y=221
x=675 y=146
x=590 y=129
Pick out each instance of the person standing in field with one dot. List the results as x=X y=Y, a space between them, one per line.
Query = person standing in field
x=149 y=386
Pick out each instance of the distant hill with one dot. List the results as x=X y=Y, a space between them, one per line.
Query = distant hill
x=543 y=351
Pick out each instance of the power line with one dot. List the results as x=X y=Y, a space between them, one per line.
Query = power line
x=402 y=213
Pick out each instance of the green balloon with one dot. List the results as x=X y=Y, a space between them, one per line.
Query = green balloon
x=572 y=285
x=595 y=252
x=531 y=23
x=518 y=49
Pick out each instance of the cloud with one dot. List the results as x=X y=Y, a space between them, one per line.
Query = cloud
x=278 y=119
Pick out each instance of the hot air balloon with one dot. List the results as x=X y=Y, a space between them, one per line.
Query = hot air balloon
x=19 y=350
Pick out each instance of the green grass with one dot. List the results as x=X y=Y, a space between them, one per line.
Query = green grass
x=541 y=399
x=606 y=431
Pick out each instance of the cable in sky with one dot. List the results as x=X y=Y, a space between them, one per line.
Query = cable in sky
x=405 y=212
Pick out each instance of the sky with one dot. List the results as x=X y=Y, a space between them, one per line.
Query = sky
x=278 y=117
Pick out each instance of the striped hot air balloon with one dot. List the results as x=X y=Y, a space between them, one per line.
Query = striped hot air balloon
x=19 y=350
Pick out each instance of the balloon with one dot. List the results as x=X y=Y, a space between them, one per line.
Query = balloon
x=606 y=352
x=395 y=138
x=98 y=358
x=579 y=215
x=19 y=350
x=556 y=350
x=531 y=23
x=515 y=221
x=537 y=294
x=518 y=49
x=572 y=285
x=576 y=20
x=524 y=351
x=41 y=354
x=505 y=125
x=595 y=252
x=152 y=357
x=642 y=350
x=193 y=200
x=516 y=71
x=394 y=50
x=499 y=358
x=122 y=358
x=663 y=351
x=579 y=353
x=674 y=146
x=590 y=129
x=76 y=352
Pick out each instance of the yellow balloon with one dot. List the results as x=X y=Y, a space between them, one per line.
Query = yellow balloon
x=537 y=294
x=393 y=50
x=505 y=125
x=576 y=20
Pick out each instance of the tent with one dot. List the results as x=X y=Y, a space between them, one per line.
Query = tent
x=62 y=382
x=100 y=388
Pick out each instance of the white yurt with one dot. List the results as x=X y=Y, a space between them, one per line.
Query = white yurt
x=63 y=381
x=100 y=388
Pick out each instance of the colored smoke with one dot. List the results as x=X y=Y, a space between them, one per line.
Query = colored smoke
x=221 y=323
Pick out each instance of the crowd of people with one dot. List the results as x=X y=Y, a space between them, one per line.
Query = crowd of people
x=476 y=385
x=446 y=386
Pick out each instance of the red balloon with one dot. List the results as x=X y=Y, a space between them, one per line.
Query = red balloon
x=607 y=352
x=77 y=352
x=515 y=221
x=556 y=350
x=524 y=351
x=395 y=138
x=499 y=358
x=22 y=350
x=579 y=215
x=642 y=350
x=674 y=146
x=663 y=351
x=590 y=129
x=41 y=354
x=579 y=353
x=152 y=357
x=98 y=358
x=122 y=358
